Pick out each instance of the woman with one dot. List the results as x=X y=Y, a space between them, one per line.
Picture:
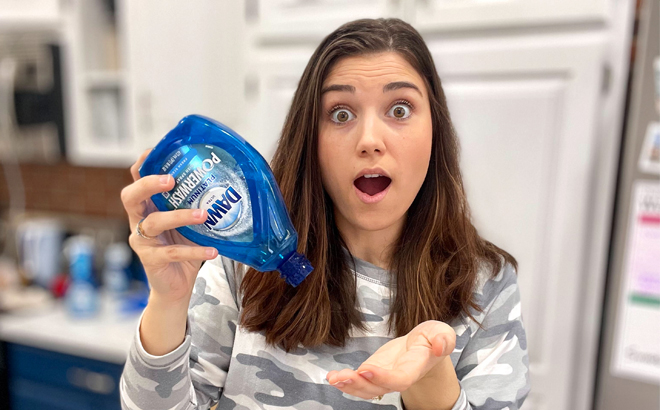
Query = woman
x=407 y=306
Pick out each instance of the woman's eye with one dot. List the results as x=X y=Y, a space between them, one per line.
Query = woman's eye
x=341 y=116
x=400 y=111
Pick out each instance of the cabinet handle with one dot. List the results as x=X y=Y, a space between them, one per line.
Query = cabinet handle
x=99 y=383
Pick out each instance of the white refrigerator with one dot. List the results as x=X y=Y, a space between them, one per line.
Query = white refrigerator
x=629 y=364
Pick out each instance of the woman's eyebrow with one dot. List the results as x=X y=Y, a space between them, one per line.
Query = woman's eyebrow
x=389 y=87
x=338 y=87
x=401 y=84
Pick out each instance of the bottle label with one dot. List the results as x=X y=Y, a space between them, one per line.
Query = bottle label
x=207 y=177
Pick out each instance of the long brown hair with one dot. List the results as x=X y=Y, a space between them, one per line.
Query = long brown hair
x=439 y=253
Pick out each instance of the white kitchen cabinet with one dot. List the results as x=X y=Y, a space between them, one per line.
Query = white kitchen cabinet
x=29 y=14
x=441 y=15
x=525 y=113
x=527 y=84
x=95 y=85
x=271 y=80
x=316 y=18
x=289 y=20
x=182 y=58
x=138 y=69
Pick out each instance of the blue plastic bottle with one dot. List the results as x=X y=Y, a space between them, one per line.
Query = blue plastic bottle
x=81 y=296
x=215 y=169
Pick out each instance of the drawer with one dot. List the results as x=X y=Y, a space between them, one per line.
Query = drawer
x=45 y=377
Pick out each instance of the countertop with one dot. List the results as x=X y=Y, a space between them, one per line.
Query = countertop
x=105 y=337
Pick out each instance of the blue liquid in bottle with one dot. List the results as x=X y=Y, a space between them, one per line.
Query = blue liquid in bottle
x=215 y=169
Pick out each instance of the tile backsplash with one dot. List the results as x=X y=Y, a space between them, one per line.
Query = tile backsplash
x=64 y=188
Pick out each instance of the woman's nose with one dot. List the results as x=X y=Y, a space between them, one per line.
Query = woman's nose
x=371 y=134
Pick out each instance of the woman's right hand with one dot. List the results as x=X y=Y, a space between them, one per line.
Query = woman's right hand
x=170 y=261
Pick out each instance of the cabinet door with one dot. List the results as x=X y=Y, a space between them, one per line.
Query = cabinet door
x=183 y=58
x=314 y=17
x=44 y=379
x=270 y=84
x=27 y=14
x=525 y=110
x=525 y=113
x=477 y=14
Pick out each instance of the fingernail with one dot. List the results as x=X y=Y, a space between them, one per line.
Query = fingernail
x=339 y=384
x=197 y=213
x=210 y=252
x=366 y=375
x=164 y=179
x=342 y=382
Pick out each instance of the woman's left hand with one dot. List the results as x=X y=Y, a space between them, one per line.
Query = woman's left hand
x=399 y=363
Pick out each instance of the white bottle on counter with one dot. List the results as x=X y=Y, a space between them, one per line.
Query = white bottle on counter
x=115 y=272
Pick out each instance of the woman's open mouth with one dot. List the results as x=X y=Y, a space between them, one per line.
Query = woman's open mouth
x=372 y=188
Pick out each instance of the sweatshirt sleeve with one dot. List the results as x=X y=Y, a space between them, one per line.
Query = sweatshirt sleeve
x=191 y=376
x=493 y=369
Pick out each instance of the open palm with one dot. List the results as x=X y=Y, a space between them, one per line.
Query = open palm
x=399 y=363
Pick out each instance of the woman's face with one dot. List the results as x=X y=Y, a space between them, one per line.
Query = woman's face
x=375 y=138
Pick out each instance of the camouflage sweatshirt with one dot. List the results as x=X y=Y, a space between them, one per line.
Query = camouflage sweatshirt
x=219 y=362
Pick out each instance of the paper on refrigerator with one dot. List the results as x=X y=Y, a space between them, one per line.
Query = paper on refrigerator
x=637 y=339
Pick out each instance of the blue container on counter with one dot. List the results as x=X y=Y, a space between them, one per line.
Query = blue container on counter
x=82 y=298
